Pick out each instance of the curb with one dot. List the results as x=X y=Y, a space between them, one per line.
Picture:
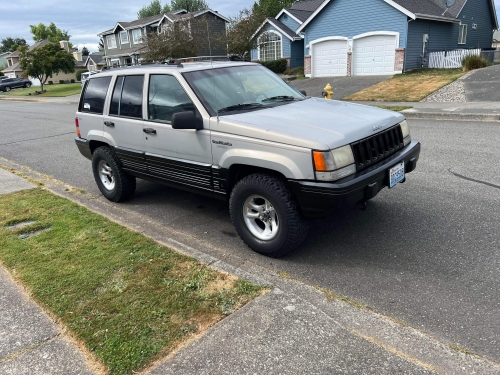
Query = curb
x=409 y=114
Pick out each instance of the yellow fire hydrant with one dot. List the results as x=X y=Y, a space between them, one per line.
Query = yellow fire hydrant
x=328 y=92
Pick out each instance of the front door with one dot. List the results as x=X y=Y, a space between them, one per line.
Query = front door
x=179 y=156
x=123 y=125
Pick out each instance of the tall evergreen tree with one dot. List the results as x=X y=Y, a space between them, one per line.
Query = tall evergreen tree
x=189 y=5
x=153 y=9
x=271 y=8
x=10 y=44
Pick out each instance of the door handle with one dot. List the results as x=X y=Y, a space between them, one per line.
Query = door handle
x=109 y=123
x=149 y=131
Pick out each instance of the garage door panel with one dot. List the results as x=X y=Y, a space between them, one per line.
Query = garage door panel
x=333 y=58
x=374 y=54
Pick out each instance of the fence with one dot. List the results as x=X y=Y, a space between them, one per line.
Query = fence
x=493 y=56
x=450 y=59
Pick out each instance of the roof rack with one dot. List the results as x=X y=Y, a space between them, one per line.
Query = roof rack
x=178 y=62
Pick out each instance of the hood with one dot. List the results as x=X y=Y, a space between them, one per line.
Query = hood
x=313 y=123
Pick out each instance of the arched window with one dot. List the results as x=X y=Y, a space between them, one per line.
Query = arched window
x=269 y=46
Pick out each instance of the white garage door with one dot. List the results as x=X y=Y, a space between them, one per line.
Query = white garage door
x=329 y=58
x=374 y=55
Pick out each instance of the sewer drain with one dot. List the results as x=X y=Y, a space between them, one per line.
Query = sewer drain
x=33 y=234
x=21 y=225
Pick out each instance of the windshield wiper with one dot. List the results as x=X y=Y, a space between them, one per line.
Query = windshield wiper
x=280 y=97
x=240 y=106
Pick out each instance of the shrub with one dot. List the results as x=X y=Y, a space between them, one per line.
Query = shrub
x=472 y=62
x=72 y=81
x=298 y=71
x=79 y=74
x=61 y=81
x=277 y=66
x=51 y=82
x=1 y=74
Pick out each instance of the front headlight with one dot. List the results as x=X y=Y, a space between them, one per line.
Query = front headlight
x=405 y=128
x=334 y=165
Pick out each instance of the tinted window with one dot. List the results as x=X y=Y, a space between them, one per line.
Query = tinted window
x=131 y=98
x=114 y=109
x=95 y=95
x=166 y=97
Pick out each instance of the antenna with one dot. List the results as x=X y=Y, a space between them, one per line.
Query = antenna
x=212 y=65
x=447 y=4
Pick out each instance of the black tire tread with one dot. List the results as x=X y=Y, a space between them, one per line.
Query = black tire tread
x=125 y=184
x=297 y=226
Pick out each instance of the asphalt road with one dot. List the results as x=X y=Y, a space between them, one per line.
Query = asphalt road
x=425 y=253
x=483 y=85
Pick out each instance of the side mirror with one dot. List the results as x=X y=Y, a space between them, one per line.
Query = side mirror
x=303 y=92
x=187 y=120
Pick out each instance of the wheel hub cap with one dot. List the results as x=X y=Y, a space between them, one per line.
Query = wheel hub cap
x=260 y=217
x=106 y=175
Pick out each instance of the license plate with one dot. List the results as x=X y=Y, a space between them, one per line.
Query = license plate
x=396 y=174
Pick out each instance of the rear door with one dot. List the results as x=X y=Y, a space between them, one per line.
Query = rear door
x=124 y=122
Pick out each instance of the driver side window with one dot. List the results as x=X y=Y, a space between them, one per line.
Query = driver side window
x=166 y=97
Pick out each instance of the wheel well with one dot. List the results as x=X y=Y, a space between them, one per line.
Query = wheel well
x=238 y=171
x=96 y=144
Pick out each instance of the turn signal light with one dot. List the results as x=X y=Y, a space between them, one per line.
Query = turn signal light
x=319 y=161
x=77 y=128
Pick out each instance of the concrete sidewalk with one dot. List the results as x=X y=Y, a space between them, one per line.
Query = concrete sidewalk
x=293 y=329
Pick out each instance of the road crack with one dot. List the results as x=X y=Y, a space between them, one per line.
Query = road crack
x=474 y=180
x=35 y=139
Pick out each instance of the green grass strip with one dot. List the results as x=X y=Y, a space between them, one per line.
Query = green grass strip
x=129 y=299
x=57 y=90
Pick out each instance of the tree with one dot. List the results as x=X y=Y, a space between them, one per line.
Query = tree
x=189 y=5
x=85 y=51
x=183 y=38
x=45 y=61
x=50 y=33
x=10 y=44
x=240 y=30
x=153 y=9
x=271 y=8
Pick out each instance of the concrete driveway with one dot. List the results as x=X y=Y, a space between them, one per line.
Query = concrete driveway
x=483 y=85
x=342 y=86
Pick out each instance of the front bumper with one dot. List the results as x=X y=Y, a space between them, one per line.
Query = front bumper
x=320 y=199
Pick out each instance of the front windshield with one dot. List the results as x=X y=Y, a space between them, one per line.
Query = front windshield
x=240 y=88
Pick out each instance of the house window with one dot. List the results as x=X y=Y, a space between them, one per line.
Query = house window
x=269 y=47
x=115 y=62
x=123 y=37
x=111 y=40
x=462 y=34
x=137 y=36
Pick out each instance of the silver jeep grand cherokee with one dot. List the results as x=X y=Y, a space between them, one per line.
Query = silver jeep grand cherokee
x=236 y=131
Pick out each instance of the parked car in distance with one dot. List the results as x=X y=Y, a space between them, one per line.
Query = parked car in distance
x=236 y=131
x=14 y=83
x=86 y=75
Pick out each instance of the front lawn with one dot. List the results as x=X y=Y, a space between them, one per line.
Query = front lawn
x=409 y=87
x=129 y=299
x=65 y=89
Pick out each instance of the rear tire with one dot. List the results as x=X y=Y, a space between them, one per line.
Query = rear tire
x=265 y=215
x=112 y=181
x=7 y=89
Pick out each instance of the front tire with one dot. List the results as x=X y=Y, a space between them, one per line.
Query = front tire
x=7 y=89
x=265 y=215
x=27 y=85
x=112 y=181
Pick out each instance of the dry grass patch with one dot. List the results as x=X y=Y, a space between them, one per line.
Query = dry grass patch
x=409 y=87
x=128 y=299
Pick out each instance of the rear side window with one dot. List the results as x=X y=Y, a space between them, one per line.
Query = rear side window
x=95 y=95
x=127 y=97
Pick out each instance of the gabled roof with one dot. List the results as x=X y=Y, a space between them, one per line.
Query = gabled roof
x=36 y=45
x=307 y=5
x=425 y=9
x=171 y=16
x=282 y=28
x=96 y=58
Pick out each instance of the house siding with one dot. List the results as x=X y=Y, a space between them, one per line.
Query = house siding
x=285 y=42
x=217 y=27
x=348 y=18
x=478 y=12
x=289 y=22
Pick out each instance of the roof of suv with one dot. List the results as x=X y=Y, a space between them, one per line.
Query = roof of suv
x=184 y=67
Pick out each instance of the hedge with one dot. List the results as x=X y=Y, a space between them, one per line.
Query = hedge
x=277 y=66
x=79 y=74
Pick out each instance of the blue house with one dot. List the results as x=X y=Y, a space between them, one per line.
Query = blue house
x=374 y=37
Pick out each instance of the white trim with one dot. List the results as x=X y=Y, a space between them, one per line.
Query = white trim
x=117 y=24
x=328 y=38
x=373 y=33
x=272 y=24
x=214 y=13
x=288 y=14
x=164 y=16
x=466 y=31
x=401 y=9
x=277 y=33
x=320 y=8
x=436 y=18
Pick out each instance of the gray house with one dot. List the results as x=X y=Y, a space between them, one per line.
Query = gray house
x=370 y=37
x=124 y=43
